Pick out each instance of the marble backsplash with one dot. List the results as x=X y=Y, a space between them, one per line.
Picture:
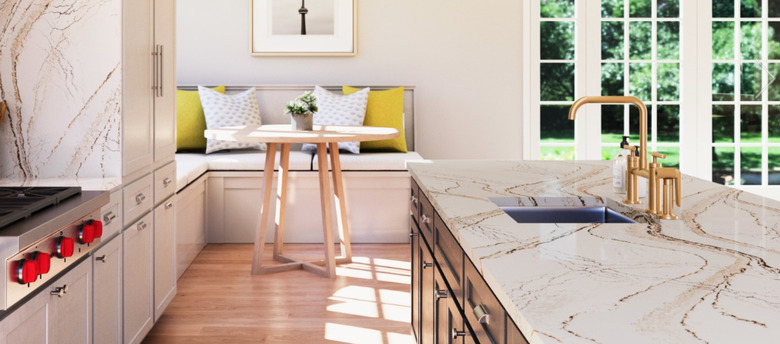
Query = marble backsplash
x=60 y=74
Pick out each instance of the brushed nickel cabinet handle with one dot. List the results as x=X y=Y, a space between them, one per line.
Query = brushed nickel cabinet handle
x=441 y=294
x=101 y=258
x=167 y=181
x=427 y=265
x=59 y=291
x=481 y=314
x=108 y=217
x=426 y=219
x=456 y=333
x=141 y=226
x=169 y=205
x=139 y=198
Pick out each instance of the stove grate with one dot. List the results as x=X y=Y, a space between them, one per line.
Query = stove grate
x=17 y=203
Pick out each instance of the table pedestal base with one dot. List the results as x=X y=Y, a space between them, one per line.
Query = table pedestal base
x=327 y=266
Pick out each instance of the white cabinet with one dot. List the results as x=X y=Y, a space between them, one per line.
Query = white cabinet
x=137 y=72
x=59 y=314
x=148 y=83
x=164 y=84
x=107 y=292
x=138 y=316
x=164 y=256
x=190 y=224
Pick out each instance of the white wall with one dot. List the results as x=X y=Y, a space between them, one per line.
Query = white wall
x=463 y=57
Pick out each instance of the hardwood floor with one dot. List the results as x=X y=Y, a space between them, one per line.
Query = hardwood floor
x=219 y=301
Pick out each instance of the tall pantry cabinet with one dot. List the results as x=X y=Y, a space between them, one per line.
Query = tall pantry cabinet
x=148 y=167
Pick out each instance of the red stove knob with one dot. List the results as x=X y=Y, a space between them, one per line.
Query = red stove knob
x=26 y=271
x=98 y=227
x=42 y=262
x=63 y=247
x=86 y=233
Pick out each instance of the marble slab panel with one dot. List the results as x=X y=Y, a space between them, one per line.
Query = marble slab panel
x=60 y=74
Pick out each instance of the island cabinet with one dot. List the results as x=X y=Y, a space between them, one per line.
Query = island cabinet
x=451 y=302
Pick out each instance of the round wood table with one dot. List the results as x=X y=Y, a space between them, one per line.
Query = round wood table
x=323 y=137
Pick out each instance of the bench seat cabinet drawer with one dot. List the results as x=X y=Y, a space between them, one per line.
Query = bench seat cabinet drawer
x=449 y=256
x=137 y=198
x=414 y=202
x=164 y=182
x=426 y=219
x=483 y=312
x=111 y=215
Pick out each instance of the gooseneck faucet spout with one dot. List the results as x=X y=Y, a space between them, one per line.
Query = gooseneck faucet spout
x=620 y=100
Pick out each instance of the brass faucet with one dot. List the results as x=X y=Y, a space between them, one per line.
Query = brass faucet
x=639 y=168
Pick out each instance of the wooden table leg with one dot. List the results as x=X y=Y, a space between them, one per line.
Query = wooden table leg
x=268 y=177
x=281 y=200
x=327 y=220
x=341 y=209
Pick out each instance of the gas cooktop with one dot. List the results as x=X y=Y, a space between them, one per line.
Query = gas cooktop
x=17 y=203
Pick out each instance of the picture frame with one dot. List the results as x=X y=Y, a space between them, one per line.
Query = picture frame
x=297 y=28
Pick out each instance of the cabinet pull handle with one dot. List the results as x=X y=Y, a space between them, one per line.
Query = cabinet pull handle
x=427 y=265
x=414 y=200
x=414 y=234
x=140 y=198
x=160 y=55
x=441 y=294
x=154 y=70
x=456 y=333
x=108 y=217
x=169 y=205
x=426 y=219
x=59 y=291
x=482 y=315
x=101 y=258
x=167 y=181
x=141 y=226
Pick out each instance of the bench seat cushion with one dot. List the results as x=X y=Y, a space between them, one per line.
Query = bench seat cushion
x=189 y=166
x=384 y=161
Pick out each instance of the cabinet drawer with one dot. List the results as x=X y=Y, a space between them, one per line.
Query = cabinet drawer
x=111 y=215
x=414 y=202
x=426 y=219
x=137 y=198
x=449 y=256
x=164 y=182
x=481 y=308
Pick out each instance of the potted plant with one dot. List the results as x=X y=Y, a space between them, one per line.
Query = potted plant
x=302 y=109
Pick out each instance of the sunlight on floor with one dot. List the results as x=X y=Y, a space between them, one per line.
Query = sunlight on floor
x=369 y=302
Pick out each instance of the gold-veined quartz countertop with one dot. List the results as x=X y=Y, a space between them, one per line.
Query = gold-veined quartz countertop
x=713 y=276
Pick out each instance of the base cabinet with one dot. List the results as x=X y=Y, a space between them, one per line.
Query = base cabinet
x=49 y=318
x=164 y=256
x=451 y=302
x=138 y=314
x=107 y=292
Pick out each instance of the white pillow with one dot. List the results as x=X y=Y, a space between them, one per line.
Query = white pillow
x=336 y=109
x=225 y=110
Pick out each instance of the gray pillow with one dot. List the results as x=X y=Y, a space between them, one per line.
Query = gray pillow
x=336 y=109
x=226 y=110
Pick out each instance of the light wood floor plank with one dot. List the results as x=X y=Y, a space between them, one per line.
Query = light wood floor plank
x=219 y=301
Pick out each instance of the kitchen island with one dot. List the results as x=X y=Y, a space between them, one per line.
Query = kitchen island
x=711 y=276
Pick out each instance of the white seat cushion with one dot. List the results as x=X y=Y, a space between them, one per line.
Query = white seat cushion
x=385 y=161
x=189 y=166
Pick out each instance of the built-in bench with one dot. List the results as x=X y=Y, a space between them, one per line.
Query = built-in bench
x=220 y=193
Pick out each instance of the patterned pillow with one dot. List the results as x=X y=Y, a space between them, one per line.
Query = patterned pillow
x=223 y=110
x=336 y=109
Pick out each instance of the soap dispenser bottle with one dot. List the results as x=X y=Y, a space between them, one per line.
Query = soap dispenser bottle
x=619 y=168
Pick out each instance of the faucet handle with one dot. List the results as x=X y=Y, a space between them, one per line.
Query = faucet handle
x=631 y=148
x=657 y=156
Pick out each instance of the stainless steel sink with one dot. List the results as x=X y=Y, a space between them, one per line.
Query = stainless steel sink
x=567 y=213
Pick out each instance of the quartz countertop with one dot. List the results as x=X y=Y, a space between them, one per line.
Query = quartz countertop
x=713 y=276
x=108 y=183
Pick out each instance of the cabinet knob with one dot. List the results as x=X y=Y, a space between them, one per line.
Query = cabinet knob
x=108 y=217
x=426 y=219
x=481 y=314
x=139 y=198
x=169 y=205
x=141 y=226
x=441 y=294
x=414 y=200
x=456 y=333
x=101 y=258
x=59 y=291
x=167 y=181
x=427 y=265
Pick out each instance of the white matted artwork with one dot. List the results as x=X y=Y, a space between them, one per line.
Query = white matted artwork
x=304 y=28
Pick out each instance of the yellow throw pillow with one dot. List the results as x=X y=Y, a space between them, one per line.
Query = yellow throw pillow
x=190 y=120
x=384 y=109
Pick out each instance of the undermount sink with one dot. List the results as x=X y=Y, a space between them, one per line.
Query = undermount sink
x=566 y=213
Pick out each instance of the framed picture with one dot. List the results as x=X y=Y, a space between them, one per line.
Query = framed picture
x=304 y=28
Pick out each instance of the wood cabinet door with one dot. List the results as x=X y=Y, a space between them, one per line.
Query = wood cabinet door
x=164 y=257
x=427 y=302
x=71 y=310
x=448 y=320
x=138 y=315
x=107 y=293
x=164 y=79
x=137 y=125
